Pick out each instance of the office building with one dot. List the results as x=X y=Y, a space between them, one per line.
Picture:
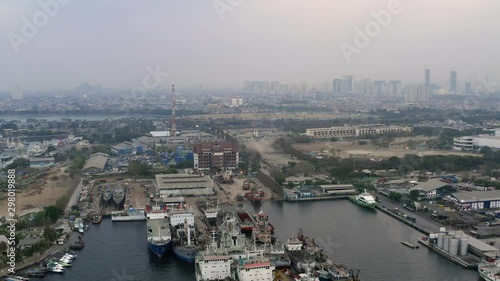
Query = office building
x=416 y=93
x=221 y=155
x=468 y=88
x=348 y=83
x=17 y=92
x=395 y=88
x=428 y=77
x=354 y=131
x=338 y=86
x=453 y=81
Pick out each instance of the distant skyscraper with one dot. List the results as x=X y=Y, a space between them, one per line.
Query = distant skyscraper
x=367 y=87
x=416 y=93
x=380 y=87
x=337 y=86
x=17 y=92
x=348 y=83
x=468 y=88
x=428 y=77
x=275 y=87
x=453 y=81
x=395 y=87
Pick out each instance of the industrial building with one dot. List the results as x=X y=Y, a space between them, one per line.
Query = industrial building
x=41 y=162
x=95 y=164
x=124 y=148
x=338 y=189
x=476 y=200
x=221 y=155
x=354 y=131
x=430 y=189
x=477 y=142
x=177 y=185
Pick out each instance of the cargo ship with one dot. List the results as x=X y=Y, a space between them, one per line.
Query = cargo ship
x=186 y=247
x=130 y=214
x=308 y=257
x=158 y=230
x=245 y=221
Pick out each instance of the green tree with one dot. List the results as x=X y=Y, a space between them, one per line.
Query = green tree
x=414 y=194
x=53 y=213
x=395 y=196
x=49 y=234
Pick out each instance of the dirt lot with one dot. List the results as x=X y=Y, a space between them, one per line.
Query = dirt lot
x=232 y=189
x=264 y=146
x=135 y=195
x=346 y=149
x=42 y=193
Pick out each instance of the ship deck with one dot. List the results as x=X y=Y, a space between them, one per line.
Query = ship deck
x=158 y=228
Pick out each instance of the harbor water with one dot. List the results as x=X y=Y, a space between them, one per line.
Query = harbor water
x=354 y=236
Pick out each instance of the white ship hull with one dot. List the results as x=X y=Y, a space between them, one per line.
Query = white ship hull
x=129 y=218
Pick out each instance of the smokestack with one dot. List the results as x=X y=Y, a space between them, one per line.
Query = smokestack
x=174 y=129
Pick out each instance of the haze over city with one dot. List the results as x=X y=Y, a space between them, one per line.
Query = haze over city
x=220 y=44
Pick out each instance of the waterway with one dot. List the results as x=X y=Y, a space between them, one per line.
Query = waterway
x=354 y=236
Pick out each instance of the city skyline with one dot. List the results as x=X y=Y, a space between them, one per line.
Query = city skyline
x=202 y=44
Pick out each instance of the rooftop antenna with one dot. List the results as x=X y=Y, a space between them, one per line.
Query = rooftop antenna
x=174 y=129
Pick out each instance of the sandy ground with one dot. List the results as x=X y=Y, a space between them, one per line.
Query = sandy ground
x=136 y=196
x=231 y=190
x=44 y=192
x=270 y=116
x=264 y=146
x=345 y=149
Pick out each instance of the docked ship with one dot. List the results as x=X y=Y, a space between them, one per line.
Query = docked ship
x=489 y=270
x=254 y=195
x=245 y=221
x=364 y=199
x=214 y=257
x=276 y=253
x=211 y=212
x=119 y=196
x=185 y=244
x=249 y=268
x=130 y=214
x=107 y=194
x=158 y=230
x=308 y=257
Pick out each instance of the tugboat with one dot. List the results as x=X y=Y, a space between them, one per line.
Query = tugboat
x=364 y=199
x=97 y=219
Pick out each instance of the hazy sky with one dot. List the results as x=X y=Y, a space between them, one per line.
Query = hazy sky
x=113 y=41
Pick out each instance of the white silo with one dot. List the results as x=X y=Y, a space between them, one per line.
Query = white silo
x=442 y=229
x=446 y=243
x=464 y=245
x=453 y=246
x=440 y=240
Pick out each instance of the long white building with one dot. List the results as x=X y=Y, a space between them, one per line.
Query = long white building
x=476 y=142
x=184 y=185
x=354 y=131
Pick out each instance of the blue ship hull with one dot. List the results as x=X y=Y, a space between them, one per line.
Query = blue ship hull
x=159 y=250
x=186 y=254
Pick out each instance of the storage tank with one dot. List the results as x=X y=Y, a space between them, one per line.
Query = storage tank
x=446 y=243
x=453 y=246
x=442 y=229
x=440 y=240
x=452 y=233
x=464 y=245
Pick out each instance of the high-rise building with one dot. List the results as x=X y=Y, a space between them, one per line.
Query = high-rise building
x=17 y=92
x=275 y=87
x=453 y=81
x=428 y=77
x=468 y=88
x=380 y=87
x=338 y=86
x=367 y=87
x=394 y=87
x=221 y=155
x=264 y=87
x=348 y=83
x=416 y=93
x=284 y=89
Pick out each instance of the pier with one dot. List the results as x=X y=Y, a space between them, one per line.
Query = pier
x=465 y=262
